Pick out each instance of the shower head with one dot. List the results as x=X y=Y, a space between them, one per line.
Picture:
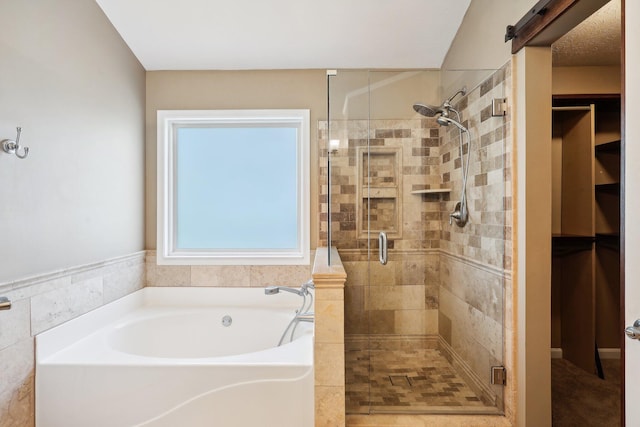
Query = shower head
x=427 y=110
x=446 y=121
x=432 y=111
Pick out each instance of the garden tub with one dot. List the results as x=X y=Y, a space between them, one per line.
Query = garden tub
x=178 y=357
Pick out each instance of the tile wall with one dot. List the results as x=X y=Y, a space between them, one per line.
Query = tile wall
x=404 y=157
x=487 y=236
x=475 y=261
x=225 y=275
x=42 y=302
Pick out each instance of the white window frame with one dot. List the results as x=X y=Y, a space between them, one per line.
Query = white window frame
x=167 y=253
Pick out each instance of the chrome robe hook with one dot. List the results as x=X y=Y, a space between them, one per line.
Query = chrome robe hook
x=13 y=147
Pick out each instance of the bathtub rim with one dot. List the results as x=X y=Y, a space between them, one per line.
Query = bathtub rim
x=92 y=328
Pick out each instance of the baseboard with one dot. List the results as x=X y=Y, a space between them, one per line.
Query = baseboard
x=605 y=353
x=609 y=353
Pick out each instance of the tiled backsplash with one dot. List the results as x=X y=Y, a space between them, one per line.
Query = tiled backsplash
x=225 y=275
x=42 y=302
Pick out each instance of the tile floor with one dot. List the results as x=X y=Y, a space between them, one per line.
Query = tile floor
x=406 y=381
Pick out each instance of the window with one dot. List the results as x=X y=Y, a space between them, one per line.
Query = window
x=233 y=187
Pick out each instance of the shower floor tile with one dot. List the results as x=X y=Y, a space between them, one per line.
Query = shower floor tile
x=420 y=380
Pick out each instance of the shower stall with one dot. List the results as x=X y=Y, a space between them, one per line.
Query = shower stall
x=400 y=168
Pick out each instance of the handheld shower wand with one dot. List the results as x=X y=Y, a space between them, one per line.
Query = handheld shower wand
x=460 y=213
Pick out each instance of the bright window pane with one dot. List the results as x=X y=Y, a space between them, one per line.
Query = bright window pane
x=236 y=188
x=233 y=187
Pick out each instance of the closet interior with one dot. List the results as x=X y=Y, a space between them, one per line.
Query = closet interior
x=585 y=282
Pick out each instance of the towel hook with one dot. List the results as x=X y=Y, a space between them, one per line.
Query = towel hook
x=13 y=147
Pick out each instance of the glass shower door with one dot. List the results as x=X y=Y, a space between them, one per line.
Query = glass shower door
x=394 y=172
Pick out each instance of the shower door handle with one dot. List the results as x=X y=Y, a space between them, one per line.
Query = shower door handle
x=382 y=247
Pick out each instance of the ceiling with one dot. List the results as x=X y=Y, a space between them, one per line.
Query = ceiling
x=285 y=34
x=595 y=41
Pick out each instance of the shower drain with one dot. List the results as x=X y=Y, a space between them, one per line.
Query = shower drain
x=400 y=380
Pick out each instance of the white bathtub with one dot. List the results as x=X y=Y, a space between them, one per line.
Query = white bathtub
x=162 y=357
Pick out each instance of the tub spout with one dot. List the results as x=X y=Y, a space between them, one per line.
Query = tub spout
x=272 y=290
x=304 y=289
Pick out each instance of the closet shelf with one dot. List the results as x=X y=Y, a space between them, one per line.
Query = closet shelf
x=571 y=239
x=608 y=147
x=613 y=187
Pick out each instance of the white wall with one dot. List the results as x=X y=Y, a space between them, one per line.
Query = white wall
x=202 y=90
x=479 y=42
x=77 y=91
x=478 y=48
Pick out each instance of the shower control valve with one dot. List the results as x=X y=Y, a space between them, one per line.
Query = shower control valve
x=460 y=215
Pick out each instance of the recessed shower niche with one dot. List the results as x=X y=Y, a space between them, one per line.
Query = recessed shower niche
x=423 y=330
x=379 y=188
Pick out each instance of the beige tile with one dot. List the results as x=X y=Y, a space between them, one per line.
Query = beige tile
x=330 y=409
x=329 y=322
x=411 y=272
x=328 y=360
x=430 y=322
x=409 y=322
x=357 y=273
x=283 y=275
x=17 y=385
x=221 y=275
x=330 y=294
x=172 y=275
x=381 y=321
x=383 y=275
x=380 y=420
x=151 y=272
x=395 y=297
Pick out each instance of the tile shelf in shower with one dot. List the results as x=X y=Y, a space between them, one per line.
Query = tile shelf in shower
x=432 y=191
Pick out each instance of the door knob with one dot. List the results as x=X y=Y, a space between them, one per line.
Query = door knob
x=633 y=332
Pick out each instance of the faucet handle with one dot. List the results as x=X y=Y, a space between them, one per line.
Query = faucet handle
x=454 y=215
